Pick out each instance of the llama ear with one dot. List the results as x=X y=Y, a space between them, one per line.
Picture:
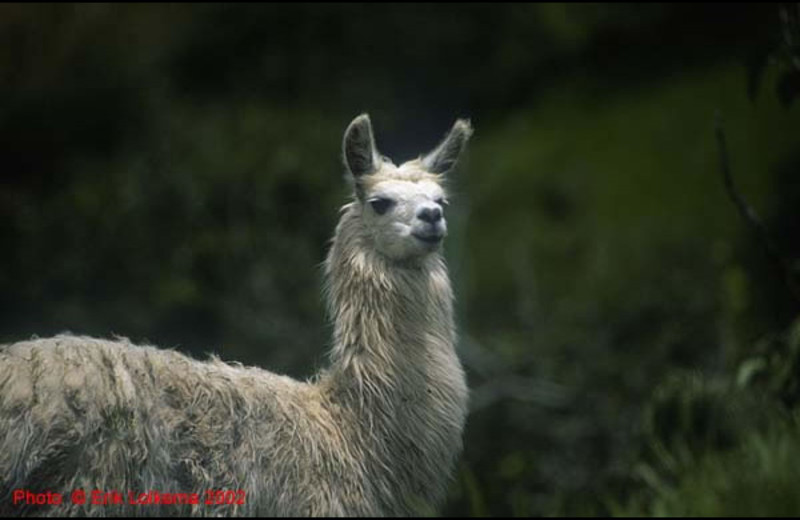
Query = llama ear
x=360 y=155
x=444 y=158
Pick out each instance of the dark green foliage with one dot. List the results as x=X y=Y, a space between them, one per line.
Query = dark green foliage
x=783 y=48
x=756 y=478
x=723 y=445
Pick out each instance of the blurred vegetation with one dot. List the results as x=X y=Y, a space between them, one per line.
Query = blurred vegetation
x=171 y=173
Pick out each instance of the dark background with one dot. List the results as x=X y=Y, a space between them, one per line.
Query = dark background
x=172 y=173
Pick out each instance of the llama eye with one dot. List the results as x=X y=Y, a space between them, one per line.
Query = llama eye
x=381 y=205
x=442 y=202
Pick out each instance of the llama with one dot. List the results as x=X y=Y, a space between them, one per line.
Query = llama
x=104 y=428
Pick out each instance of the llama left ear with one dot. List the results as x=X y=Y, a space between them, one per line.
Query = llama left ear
x=445 y=156
x=360 y=155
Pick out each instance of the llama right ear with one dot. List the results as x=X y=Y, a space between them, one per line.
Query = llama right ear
x=360 y=155
x=445 y=156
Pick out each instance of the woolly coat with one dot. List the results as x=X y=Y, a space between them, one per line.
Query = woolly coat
x=377 y=433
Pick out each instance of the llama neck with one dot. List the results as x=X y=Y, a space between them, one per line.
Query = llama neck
x=386 y=315
x=393 y=362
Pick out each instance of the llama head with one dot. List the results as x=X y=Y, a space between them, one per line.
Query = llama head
x=401 y=208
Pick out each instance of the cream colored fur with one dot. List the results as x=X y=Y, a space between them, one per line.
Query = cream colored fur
x=377 y=433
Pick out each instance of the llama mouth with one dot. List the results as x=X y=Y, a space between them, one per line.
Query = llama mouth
x=429 y=239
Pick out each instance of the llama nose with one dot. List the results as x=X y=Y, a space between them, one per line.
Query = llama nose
x=430 y=214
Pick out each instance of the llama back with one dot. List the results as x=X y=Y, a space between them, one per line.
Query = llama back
x=88 y=414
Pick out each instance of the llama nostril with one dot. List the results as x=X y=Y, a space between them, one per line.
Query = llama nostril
x=431 y=215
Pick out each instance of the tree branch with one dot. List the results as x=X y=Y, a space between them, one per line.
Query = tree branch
x=749 y=214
